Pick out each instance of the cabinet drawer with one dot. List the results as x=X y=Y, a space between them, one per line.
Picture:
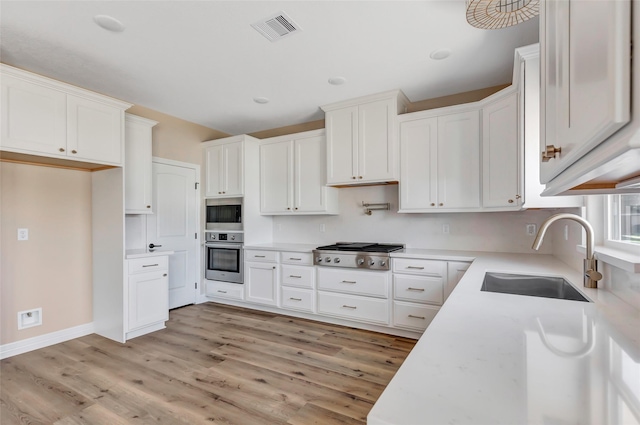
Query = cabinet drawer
x=413 y=316
x=233 y=291
x=426 y=267
x=375 y=284
x=302 y=258
x=266 y=256
x=373 y=310
x=422 y=289
x=297 y=276
x=297 y=299
x=148 y=264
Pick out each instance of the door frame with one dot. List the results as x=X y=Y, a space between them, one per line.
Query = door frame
x=198 y=243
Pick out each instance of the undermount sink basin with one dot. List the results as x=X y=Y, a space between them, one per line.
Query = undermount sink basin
x=536 y=286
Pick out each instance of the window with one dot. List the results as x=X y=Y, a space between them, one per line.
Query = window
x=624 y=221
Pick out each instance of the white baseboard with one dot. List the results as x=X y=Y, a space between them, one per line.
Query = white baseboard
x=30 y=344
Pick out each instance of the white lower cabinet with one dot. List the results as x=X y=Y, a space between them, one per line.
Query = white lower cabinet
x=298 y=299
x=354 y=294
x=297 y=282
x=261 y=281
x=217 y=289
x=374 y=310
x=413 y=316
x=148 y=295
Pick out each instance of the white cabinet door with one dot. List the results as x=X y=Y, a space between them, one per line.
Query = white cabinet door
x=501 y=154
x=459 y=160
x=94 y=131
x=233 y=166
x=276 y=177
x=455 y=271
x=33 y=117
x=224 y=165
x=148 y=299
x=419 y=164
x=215 y=174
x=585 y=80
x=310 y=175
x=138 y=189
x=376 y=141
x=261 y=283
x=342 y=145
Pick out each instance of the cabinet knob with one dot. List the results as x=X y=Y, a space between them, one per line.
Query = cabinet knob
x=518 y=196
x=288 y=208
x=510 y=201
x=62 y=150
x=148 y=206
x=359 y=177
x=296 y=208
x=164 y=275
x=74 y=151
x=433 y=204
x=550 y=152
x=354 y=177
x=440 y=204
x=219 y=193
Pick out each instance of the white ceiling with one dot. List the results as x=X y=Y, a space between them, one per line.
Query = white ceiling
x=202 y=61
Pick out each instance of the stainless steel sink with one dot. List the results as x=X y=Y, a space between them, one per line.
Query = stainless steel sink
x=536 y=286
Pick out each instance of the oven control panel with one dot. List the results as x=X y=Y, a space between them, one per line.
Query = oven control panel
x=234 y=237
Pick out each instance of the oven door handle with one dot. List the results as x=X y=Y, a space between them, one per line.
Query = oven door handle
x=223 y=245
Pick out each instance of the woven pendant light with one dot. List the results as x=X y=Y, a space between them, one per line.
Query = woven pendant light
x=496 y=14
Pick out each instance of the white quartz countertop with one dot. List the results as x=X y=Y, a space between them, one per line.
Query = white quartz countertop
x=143 y=253
x=491 y=358
x=437 y=254
x=293 y=247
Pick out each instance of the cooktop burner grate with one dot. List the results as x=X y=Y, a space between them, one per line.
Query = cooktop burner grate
x=361 y=247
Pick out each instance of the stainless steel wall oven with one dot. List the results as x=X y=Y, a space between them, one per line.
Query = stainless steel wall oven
x=224 y=256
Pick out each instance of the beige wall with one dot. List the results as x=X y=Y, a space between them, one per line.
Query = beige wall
x=176 y=139
x=51 y=270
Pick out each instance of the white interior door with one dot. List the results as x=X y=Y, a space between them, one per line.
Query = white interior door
x=174 y=227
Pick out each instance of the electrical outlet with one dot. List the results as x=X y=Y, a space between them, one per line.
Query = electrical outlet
x=23 y=234
x=30 y=318
x=445 y=229
x=531 y=229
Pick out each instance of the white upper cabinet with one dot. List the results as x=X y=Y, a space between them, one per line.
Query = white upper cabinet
x=361 y=139
x=440 y=161
x=44 y=117
x=293 y=175
x=585 y=62
x=224 y=165
x=501 y=177
x=138 y=179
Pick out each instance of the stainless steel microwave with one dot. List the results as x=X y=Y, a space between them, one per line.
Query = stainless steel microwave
x=224 y=214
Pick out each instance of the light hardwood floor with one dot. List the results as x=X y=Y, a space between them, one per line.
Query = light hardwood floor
x=213 y=364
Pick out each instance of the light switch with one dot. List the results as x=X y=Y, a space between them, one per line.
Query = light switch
x=23 y=234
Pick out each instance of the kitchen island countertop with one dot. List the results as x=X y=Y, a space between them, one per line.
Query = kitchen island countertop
x=492 y=358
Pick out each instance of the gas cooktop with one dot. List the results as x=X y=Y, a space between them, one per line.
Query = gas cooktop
x=363 y=255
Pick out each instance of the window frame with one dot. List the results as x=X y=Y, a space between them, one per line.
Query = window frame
x=608 y=242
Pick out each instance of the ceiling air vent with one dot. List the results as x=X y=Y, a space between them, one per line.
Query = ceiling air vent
x=277 y=27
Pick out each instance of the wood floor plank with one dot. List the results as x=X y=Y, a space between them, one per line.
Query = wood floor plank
x=213 y=363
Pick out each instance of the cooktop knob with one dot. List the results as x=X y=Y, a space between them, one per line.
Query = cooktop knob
x=360 y=261
x=328 y=259
x=372 y=263
x=383 y=263
x=319 y=260
x=336 y=260
x=233 y=238
x=213 y=236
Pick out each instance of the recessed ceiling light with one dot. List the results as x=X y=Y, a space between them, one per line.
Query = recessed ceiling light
x=109 y=23
x=440 y=54
x=337 y=81
x=261 y=100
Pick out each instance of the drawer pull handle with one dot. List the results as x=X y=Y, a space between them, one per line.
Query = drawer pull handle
x=259 y=256
x=149 y=265
x=416 y=289
x=415 y=267
x=416 y=317
x=295 y=299
x=222 y=292
x=349 y=281
x=297 y=259
x=353 y=307
x=297 y=277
